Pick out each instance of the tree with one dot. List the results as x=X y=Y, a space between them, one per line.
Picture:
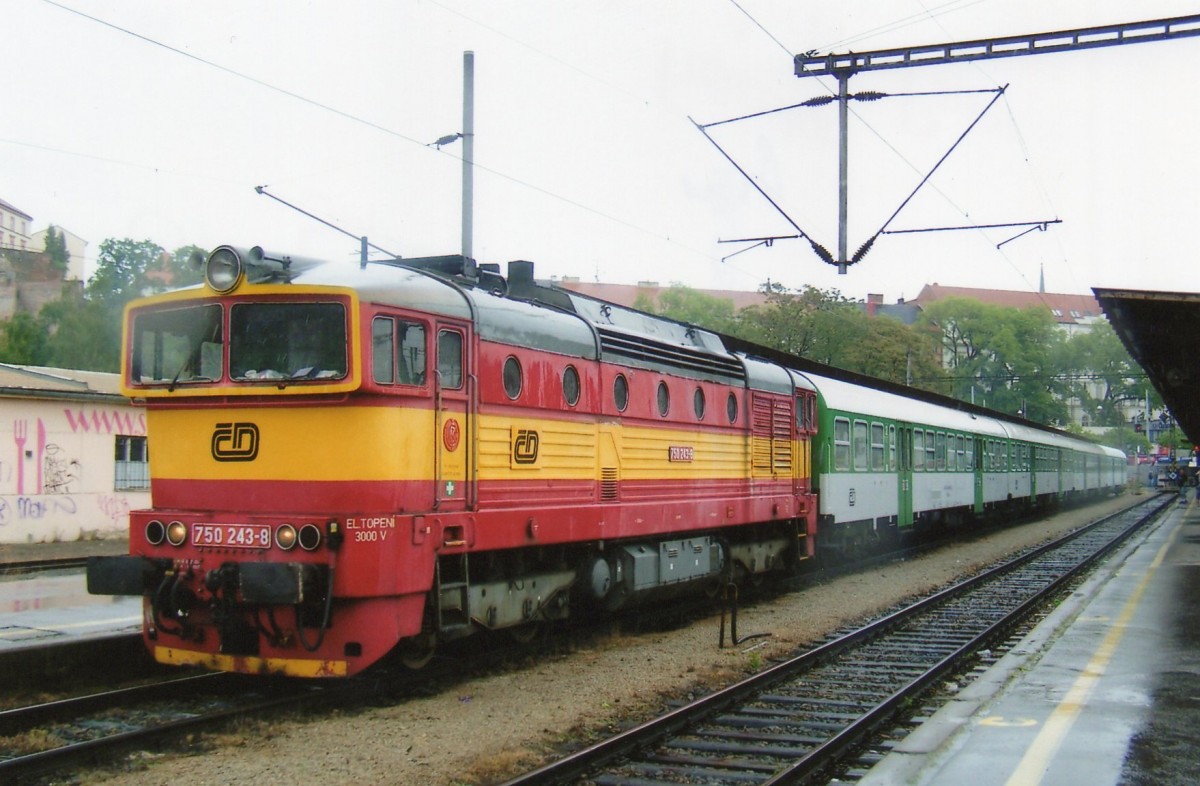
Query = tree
x=1001 y=357
x=56 y=248
x=684 y=304
x=121 y=273
x=184 y=268
x=823 y=326
x=1101 y=374
x=82 y=334
x=23 y=341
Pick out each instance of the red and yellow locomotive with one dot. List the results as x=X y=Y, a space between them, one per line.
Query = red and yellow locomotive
x=349 y=459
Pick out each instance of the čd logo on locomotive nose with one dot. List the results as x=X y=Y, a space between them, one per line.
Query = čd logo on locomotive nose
x=235 y=442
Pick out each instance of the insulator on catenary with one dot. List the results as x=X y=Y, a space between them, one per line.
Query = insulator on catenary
x=869 y=95
x=819 y=101
x=821 y=251
x=863 y=249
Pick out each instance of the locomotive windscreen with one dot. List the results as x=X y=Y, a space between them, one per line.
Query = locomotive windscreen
x=270 y=340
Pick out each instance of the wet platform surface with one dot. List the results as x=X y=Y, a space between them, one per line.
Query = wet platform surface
x=54 y=607
x=1106 y=689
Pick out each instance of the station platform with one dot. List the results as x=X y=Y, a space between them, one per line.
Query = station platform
x=1105 y=690
x=54 y=607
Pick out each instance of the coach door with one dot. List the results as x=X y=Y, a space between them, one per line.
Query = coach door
x=904 y=476
x=454 y=437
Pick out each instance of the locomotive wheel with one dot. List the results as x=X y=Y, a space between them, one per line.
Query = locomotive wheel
x=417 y=651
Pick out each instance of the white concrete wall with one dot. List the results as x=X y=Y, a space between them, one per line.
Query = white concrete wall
x=58 y=470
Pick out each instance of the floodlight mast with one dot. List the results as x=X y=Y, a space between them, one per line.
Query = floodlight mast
x=842 y=67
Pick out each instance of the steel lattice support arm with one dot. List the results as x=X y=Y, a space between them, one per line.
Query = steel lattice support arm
x=988 y=48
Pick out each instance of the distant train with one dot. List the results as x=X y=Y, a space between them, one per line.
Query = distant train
x=349 y=460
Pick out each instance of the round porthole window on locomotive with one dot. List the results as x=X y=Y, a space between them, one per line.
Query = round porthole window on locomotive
x=664 y=399
x=621 y=392
x=731 y=408
x=698 y=403
x=512 y=377
x=570 y=383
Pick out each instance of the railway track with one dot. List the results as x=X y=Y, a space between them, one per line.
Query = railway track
x=46 y=738
x=797 y=721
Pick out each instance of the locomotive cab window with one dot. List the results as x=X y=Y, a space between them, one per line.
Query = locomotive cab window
x=450 y=359
x=177 y=346
x=292 y=341
x=397 y=351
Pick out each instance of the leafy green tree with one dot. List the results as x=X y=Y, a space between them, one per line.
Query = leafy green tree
x=1001 y=357
x=121 y=271
x=692 y=306
x=56 y=248
x=823 y=326
x=183 y=266
x=82 y=334
x=1101 y=374
x=23 y=341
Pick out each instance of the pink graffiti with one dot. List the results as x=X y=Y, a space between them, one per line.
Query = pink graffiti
x=106 y=422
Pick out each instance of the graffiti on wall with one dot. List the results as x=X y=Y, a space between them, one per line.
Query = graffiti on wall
x=49 y=488
x=45 y=467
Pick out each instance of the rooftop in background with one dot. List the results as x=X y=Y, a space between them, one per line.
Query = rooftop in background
x=1068 y=310
x=33 y=381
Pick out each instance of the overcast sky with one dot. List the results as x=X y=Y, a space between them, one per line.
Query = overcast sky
x=156 y=120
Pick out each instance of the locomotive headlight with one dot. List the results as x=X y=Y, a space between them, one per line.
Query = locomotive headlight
x=155 y=532
x=285 y=537
x=310 y=537
x=223 y=269
x=176 y=533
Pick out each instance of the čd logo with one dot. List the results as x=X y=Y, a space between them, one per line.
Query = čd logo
x=525 y=447
x=235 y=442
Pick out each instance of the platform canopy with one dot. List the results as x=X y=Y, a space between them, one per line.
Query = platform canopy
x=1161 y=330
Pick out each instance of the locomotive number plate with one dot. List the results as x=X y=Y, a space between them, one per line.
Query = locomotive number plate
x=240 y=536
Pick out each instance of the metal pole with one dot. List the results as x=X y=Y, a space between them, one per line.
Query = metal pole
x=468 y=135
x=843 y=78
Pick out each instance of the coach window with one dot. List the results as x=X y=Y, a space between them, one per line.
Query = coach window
x=877 y=446
x=570 y=383
x=891 y=447
x=698 y=403
x=960 y=454
x=918 y=449
x=841 y=443
x=621 y=392
x=512 y=377
x=731 y=408
x=940 y=450
x=664 y=399
x=970 y=454
x=450 y=359
x=860 y=444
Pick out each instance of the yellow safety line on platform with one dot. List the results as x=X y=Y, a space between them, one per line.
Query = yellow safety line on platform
x=1032 y=767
